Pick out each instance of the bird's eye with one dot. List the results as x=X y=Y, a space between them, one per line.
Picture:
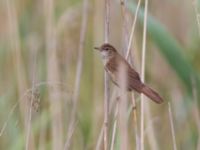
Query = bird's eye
x=106 y=49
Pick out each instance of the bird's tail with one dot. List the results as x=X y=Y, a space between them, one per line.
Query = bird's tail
x=153 y=95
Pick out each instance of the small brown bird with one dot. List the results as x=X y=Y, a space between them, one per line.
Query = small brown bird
x=113 y=61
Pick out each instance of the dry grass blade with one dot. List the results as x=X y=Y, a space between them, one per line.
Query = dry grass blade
x=32 y=97
x=143 y=75
x=172 y=127
x=132 y=30
x=106 y=77
x=106 y=107
x=135 y=121
x=8 y=118
x=125 y=25
x=29 y=112
x=17 y=59
x=122 y=123
x=99 y=141
x=78 y=72
x=145 y=108
x=127 y=56
x=70 y=134
x=101 y=134
x=150 y=134
x=53 y=75
x=114 y=126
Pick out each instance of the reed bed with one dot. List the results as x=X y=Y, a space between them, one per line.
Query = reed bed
x=55 y=93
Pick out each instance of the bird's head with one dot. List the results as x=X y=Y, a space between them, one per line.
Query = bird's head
x=106 y=50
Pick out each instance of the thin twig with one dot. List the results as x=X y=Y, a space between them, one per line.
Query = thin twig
x=29 y=122
x=135 y=121
x=70 y=134
x=112 y=106
x=132 y=30
x=150 y=134
x=106 y=78
x=78 y=72
x=114 y=126
x=125 y=25
x=100 y=137
x=107 y=21
x=132 y=95
x=32 y=99
x=143 y=74
x=123 y=124
x=172 y=127
x=9 y=115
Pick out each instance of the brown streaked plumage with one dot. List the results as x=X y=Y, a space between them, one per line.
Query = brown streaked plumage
x=113 y=61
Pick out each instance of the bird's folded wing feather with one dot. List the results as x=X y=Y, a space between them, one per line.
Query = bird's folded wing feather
x=113 y=68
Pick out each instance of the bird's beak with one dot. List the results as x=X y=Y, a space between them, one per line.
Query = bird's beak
x=97 y=48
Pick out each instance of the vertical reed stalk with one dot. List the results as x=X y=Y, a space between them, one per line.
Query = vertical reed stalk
x=143 y=74
x=100 y=137
x=150 y=134
x=114 y=126
x=132 y=30
x=146 y=111
x=8 y=118
x=101 y=134
x=53 y=76
x=20 y=70
x=127 y=56
x=135 y=121
x=78 y=73
x=172 y=127
x=123 y=126
x=106 y=78
x=33 y=49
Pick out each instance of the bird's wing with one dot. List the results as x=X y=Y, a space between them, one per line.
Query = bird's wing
x=134 y=81
x=132 y=77
x=133 y=74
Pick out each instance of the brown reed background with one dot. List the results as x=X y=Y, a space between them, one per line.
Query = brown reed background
x=52 y=81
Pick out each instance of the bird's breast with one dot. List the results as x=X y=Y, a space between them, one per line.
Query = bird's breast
x=113 y=75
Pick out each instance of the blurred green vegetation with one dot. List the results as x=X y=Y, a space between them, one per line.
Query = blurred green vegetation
x=170 y=48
